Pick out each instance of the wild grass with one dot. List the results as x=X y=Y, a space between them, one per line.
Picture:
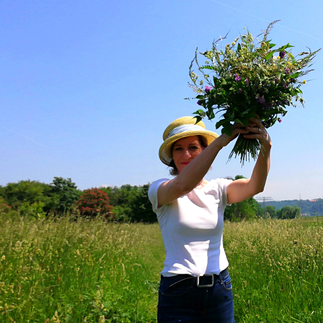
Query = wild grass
x=276 y=268
x=85 y=271
x=91 y=271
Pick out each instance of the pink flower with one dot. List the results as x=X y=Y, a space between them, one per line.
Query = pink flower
x=237 y=78
x=208 y=89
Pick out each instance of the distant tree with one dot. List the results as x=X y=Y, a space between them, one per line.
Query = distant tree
x=2 y=191
x=64 y=194
x=94 y=202
x=131 y=203
x=240 y=211
x=25 y=192
x=289 y=212
x=142 y=208
x=4 y=207
x=269 y=212
x=35 y=210
x=245 y=210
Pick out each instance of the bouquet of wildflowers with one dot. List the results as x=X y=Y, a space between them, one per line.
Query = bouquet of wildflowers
x=246 y=79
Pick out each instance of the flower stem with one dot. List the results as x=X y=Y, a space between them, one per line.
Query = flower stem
x=245 y=149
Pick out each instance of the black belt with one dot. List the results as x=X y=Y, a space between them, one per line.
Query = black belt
x=202 y=281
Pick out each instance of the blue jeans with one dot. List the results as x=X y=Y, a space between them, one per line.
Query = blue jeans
x=182 y=301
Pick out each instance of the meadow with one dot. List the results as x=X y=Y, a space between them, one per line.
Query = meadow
x=58 y=270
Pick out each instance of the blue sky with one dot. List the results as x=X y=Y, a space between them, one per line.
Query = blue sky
x=88 y=87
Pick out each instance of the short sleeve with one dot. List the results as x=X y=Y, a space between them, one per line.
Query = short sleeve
x=222 y=186
x=152 y=192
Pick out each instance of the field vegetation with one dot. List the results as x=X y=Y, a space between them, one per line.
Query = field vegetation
x=62 y=270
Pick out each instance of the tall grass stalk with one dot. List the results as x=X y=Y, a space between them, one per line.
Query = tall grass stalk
x=276 y=268
x=92 y=271
x=84 y=271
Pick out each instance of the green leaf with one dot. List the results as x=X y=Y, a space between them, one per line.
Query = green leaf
x=296 y=75
x=210 y=114
x=269 y=55
x=227 y=129
x=220 y=123
x=242 y=121
x=288 y=45
x=198 y=119
x=200 y=112
x=250 y=114
x=207 y=67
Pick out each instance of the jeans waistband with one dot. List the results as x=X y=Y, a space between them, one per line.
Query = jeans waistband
x=223 y=273
x=201 y=281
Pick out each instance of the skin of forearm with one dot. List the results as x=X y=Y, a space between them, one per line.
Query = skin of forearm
x=261 y=169
x=195 y=171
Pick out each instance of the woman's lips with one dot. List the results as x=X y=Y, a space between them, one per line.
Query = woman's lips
x=185 y=163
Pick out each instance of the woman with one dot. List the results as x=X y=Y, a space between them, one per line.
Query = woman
x=195 y=284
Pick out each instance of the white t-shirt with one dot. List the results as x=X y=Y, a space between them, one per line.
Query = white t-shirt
x=192 y=229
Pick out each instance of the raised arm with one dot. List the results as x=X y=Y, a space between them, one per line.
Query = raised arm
x=193 y=173
x=243 y=189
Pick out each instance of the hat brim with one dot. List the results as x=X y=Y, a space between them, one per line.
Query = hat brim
x=165 y=153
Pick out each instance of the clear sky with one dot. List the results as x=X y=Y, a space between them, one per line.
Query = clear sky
x=88 y=87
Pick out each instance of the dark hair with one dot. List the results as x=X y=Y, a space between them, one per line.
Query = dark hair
x=173 y=169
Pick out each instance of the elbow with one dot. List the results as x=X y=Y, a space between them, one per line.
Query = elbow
x=259 y=189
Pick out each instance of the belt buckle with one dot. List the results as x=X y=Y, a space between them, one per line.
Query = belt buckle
x=205 y=285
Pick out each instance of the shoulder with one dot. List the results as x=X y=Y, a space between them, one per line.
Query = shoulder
x=218 y=187
x=220 y=183
x=153 y=188
x=153 y=193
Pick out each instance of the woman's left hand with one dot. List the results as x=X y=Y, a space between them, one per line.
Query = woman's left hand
x=258 y=131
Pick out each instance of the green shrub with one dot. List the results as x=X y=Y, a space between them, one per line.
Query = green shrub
x=35 y=210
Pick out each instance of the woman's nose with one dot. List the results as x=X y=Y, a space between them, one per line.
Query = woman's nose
x=186 y=153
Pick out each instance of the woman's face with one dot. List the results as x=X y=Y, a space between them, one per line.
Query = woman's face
x=185 y=150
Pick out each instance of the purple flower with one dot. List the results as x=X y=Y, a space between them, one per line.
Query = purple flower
x=261 y=99
x=208 y=89
x=285 y=85
x=240 y=91
x=199 y=102
x=279 y=120
x=246 y=81
x=287 y=71
x=237 y=78
x=282 y=54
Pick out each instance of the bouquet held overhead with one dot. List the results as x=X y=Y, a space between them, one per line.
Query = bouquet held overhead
x=248 y=78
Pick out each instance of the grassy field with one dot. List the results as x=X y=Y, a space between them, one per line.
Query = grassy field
x=90 y=271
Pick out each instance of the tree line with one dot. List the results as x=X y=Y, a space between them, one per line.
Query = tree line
x=123 y=204
x=308 y=207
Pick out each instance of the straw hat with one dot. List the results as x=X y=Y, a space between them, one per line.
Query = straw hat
x=182 y=128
